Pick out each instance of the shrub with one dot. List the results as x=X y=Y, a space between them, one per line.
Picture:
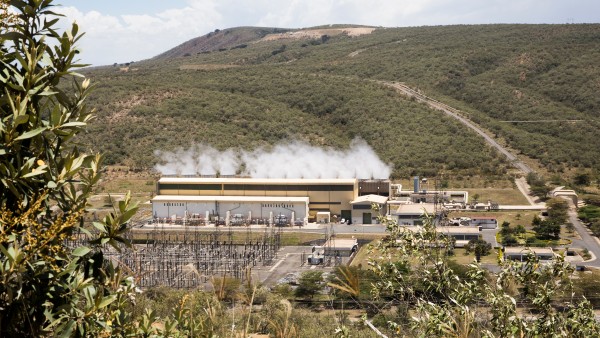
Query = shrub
x=310 y=283
x=479 y=247
x=47 y=287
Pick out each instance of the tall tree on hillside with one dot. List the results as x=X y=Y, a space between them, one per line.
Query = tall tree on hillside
x=45 y=180
x=557 y=210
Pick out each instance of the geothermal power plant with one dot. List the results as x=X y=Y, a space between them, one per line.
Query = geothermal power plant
x=282 y=202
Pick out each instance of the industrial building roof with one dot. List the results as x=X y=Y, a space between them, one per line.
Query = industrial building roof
x=523 y=250
x=447 y=230
x=330 y=181
x=188 y=198
x=370 y=199
x=341 y=243
x=458 y=230
x=411 y=208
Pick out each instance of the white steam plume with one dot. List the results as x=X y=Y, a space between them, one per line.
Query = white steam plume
x=289 y=160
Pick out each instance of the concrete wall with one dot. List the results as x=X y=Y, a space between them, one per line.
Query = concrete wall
x=484 y=223
x=408 y=219
x=258 y=209
x=333 y=201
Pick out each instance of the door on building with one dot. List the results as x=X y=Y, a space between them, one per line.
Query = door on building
x=366 y=218
x=347 y=215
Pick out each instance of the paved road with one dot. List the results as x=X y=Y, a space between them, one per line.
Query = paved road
x=288 y=261
x=455 y=113
x=489 y=235
x=589 y=241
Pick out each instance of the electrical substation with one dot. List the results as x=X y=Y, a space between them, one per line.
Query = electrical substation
x=203 y=228
x=191 y=259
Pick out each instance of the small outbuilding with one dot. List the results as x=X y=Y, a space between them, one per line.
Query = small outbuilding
x=461 y=235
x=362 y=212
x=324 y=217
x=520 y=253
x=410 y=213
x=484 y=222
x=337 y=247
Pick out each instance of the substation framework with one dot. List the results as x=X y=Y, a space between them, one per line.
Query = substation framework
x=190 y=259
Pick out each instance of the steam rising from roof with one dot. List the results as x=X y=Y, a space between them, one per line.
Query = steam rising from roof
x=287 y=160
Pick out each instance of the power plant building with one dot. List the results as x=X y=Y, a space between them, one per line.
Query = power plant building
x=234 y=200
x=183 y=197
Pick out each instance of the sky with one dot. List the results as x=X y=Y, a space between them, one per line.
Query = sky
x=133 y=30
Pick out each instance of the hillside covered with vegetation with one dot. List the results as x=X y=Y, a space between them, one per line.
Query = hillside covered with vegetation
x=59 y=280
x=322 y=91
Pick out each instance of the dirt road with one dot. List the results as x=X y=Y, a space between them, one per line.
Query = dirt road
x=525 y=189
x=455 y=113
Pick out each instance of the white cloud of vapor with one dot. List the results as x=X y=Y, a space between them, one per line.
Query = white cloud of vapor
x=288 y=160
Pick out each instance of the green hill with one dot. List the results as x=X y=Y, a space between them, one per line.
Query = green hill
x=316 y=85
x=220 y=40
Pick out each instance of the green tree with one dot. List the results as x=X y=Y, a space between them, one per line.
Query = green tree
x=479 y=247
x=310 y=283
x=505 y=228
x=547 y=229
x=588 y=213
x=538 y=185
x=535 y=179
x=595 y=227
x=352 y=281
x=520 y=230
x=45 y=286
x=509 y=240
x=557 y=210
x=444 y=304
x=582 y=178
x=592 y=199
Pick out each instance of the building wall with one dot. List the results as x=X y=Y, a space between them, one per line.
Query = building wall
x=409 y=219
x=259 y=209
x=484 y=223
x=322 y=196
x=523 y=257
x=359 y=211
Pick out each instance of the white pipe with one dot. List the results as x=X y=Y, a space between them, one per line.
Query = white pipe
x=227 y=217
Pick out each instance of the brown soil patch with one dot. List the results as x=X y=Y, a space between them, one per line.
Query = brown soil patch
x=355 y=53
x=209 y=66
x=123 y=107
x=317 y=33
x=524 y=59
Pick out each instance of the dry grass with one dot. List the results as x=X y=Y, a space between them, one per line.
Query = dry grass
x=362 y=256
x=241 y=237
x=513 y=217
x=461 y=257
x=209 y=66
x=503 y=196
x=120 y=180
x=502 y=191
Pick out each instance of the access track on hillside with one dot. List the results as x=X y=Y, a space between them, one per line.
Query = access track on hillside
x=457 y=114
